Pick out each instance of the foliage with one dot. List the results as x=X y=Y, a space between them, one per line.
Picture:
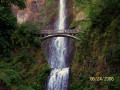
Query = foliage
x=98 y=52
x=22 y=87
x=83 y=84
x=8 y=23
x=10 y=75
x=19 y=45
x=21 y=72
x=112 y=55
x=115 y=84
x=42 y=76
x=25 y=36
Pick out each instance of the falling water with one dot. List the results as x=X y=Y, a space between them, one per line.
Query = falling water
x=59 y=76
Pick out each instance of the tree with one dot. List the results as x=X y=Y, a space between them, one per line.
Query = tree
x=8 y=22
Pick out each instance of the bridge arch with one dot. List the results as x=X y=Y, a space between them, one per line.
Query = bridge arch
x=59 y=35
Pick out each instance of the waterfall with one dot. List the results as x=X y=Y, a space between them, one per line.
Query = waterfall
x=59 y=76
x=58 y=79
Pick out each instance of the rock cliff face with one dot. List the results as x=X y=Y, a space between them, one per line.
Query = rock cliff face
x=44 y=12
x=40 y=11
x=33 y=7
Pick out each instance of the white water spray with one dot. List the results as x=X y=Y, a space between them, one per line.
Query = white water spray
x=58 y=79
x=62 y=15
x=59 y=76
x=58 y=46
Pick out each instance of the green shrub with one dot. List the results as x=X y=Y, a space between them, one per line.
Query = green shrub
x=42 y=76
x=25 y=36
x=10 y=75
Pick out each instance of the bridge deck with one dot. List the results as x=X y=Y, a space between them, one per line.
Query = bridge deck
x=51 y=32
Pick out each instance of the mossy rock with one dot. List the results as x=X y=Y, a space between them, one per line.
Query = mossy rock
x=98 y=74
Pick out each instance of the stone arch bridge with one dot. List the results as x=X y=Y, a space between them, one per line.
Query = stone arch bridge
x=45 y=34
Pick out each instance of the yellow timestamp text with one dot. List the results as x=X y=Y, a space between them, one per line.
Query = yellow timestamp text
x=101 y=78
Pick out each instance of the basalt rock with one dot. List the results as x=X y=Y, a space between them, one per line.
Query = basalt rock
x=40 y=11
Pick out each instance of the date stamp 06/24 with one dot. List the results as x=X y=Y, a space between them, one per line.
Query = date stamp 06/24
x=101 y=78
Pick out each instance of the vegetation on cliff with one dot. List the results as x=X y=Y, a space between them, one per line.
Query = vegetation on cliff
x=22 y=62
x=98 y=52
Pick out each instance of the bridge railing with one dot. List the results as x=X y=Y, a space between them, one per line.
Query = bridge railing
x=72 y=31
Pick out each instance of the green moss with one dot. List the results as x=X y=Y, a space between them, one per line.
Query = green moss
x=42 y=12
